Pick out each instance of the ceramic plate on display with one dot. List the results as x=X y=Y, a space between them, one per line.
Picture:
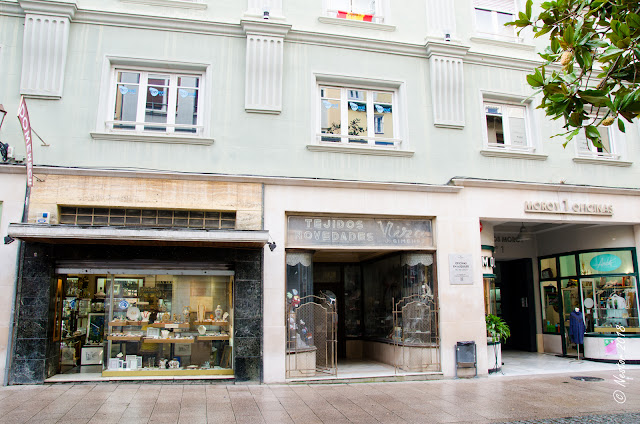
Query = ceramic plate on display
x=225 y=316
x=133 y=313
x=588 y=303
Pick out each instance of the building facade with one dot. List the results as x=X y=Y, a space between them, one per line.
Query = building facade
x=259 y=190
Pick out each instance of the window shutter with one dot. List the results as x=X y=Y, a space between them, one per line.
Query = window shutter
x=518 y=131
x=506 y=6
x=517 y=126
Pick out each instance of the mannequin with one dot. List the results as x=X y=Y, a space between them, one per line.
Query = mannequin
x=576 y=328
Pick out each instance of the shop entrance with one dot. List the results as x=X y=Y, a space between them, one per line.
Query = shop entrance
x=514 y=279
x=371 y=292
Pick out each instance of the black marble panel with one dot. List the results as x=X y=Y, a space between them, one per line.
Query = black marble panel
x=30 y=349
x=33 y=308
x=248 y=255
x=249 y=369
x=248 y=299
x=247 y=327
x=248 y=270
x=246 y=347
x=32 y=329
x=27 y=372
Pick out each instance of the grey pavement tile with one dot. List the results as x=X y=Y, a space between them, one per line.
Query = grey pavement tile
x=106 y=419
x=133 y=412
x=193 y=420
x=250 y=419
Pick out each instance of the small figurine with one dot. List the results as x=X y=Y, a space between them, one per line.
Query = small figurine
x=218 y=313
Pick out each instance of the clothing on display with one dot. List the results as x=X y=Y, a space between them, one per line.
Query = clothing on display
x=576 y=327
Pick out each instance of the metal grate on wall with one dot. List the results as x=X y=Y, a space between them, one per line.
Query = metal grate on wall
x=164 y=218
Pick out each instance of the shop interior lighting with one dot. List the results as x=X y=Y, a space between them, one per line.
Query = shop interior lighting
x=524 y=234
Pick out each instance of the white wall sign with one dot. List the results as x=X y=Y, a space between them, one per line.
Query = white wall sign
x=568 y=208
x=460 y=268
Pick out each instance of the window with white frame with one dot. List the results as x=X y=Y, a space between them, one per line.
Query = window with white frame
x=156 y=102
x=357 y=116
x=491 y=15
x=507 y=126
x=607 y=150
x=357 y=10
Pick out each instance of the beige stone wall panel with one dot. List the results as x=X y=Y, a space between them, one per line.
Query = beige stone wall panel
x=66 y=190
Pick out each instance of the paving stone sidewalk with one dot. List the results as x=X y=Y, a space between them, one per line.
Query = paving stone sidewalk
x=522 y=399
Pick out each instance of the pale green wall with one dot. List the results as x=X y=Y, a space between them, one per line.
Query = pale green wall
x=275 y=145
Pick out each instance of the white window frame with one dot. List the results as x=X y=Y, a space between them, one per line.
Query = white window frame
x=586 y=149
x=172 y=102
x=380 y=15
x=400 y=146
x=508 y=142
x=370 y=137
x=494 y=9
x=532 y=150
x=106 y=103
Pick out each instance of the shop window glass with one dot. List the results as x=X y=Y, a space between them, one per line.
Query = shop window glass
x=609 y=302
x=606 y=262
x=352 y=301
x=550 y=307
x=492 y=300
x=168 y=325
x=548 y=268
x=567 y=265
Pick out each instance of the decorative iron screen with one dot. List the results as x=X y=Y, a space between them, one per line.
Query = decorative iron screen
x=125 y=217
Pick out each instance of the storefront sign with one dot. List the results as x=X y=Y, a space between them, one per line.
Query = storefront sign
x=488 y=261
x=568 y=208
x=342 y=231
x=460 y=268
x=605 y=262
x=25 y=125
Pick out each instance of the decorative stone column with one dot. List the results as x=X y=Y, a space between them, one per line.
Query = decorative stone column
x=44 y=47
x=447 y=83
x=263 y=78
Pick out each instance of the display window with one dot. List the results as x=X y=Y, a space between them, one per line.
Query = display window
x=601 y=284
x=148 y=325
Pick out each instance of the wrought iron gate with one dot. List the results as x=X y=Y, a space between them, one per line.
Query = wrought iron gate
x=311 y=350
x=415 y=334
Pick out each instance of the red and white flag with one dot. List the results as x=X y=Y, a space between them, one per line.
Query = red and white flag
x=25 y=124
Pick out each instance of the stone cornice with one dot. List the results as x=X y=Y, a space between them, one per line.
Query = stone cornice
x=523 y=185
x=161 y=23
x=441 y=48
x=265 y=27
x=66 y=8
x=255 y=179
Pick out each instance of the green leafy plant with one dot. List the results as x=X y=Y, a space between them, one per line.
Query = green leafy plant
x=497 y=329
x=591 y=73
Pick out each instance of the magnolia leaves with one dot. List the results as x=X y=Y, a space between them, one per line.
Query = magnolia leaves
x=591 y=73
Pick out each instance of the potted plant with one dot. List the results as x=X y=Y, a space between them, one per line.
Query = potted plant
x=497 y=331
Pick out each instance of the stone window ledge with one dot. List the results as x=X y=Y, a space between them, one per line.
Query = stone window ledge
x=512 y=154
x=151 y=138
x=359 y=24
x=602 y=161
x=359 y=150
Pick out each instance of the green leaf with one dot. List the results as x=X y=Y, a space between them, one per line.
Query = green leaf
x=632 y=19
x=620 y=125
x=594 y=97
x=568 y=35
x=528 y=8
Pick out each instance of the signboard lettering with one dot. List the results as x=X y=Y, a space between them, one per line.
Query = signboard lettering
x=460 y=269
x=568 y=208
x=308 y=231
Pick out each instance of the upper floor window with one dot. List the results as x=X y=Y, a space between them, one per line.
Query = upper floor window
x=507 y=126
x=358 y=10
x=491 y=15
x=156 y=102
x=357 y=116
x=607 y=150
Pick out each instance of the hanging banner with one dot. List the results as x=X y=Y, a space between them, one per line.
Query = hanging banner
x=25 y=124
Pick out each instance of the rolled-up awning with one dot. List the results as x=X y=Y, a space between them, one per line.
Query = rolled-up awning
x=72 y=234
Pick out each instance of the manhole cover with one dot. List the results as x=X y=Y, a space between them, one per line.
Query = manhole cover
x=581 y=378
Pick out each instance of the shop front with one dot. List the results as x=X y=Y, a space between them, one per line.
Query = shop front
x=360 y=289
x=129 y=287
